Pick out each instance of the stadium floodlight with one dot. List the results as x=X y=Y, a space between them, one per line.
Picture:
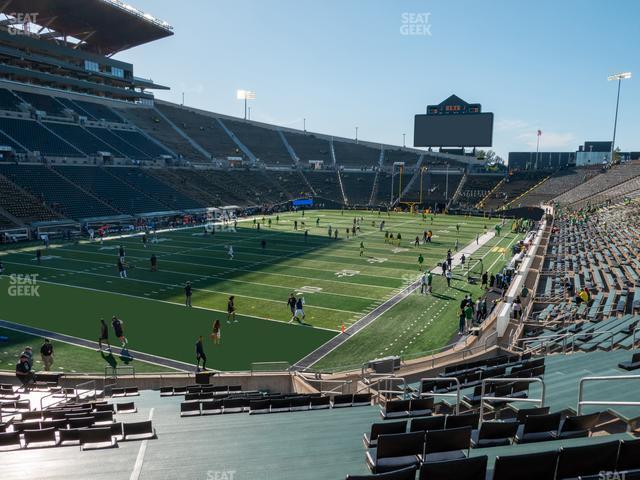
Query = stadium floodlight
x=245 y=95
x=619 y=77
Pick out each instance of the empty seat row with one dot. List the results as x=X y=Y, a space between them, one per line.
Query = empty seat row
x=87 y=438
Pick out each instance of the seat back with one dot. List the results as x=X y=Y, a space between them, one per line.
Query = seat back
x=36 y=436
x=580 y=423
x=395 y=406
x=474 y=468
x=525 y=412
x=496 y=430
x=418 y=404
x=125 y=407
x=400 y=444
x=587 y=459
x=529 y=466
x=464 y=420
x=629 y=455
x=408 y=473
x=635 y=358
x=81 y=422
x=447 y=440
x=542 y=423
x=427 y=423
x=387 y=428
x=137 y=428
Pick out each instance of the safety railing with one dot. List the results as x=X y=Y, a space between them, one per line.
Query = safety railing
x=62 y=393
x=269 y=367
x=112 y=372
x=91 y=391
x=448 y=394
x=385 y=387
x=338 y=389
x=565 y=339
x=491 y=398
x=623 y=403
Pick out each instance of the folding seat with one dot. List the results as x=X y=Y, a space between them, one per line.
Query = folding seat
x=102 y=417
x=361 y=399
x=94 y=438
x=58 y=424
x=117 y=392
x=69 y=437
x=138 y=431
x=235 y=388
x=578 y=426
x=529 y=466
x=259 y=407
x=370 y=439
x=629 y=455
x=280 y=405
x=10 y=441
x=40 y=438
x=525 y=412
x=192 y=397
x=396 y=451
x=494 y=434
x=435 y=422
x=126 y=407
x=35 y=416
x=81 y=422
x=166 y=391
x=104 y=407
x=221 y=388
x=449 y=444
x=116 y=430
x=395 y=409
x=464 y=420
x=538 y=428
x=211 y=407
x=189 y=409
x=587 y=460
x=421 y=407
x=194 y=388
x=340 y=401
x=131 y=392
x=474 y=468
x=205 y=396
x=473 y=400
x=408 y=473
x=54 y=415
x=320 y=403
x=234 y=405
x=179 y=390
x=634 y=364
x=300 y=403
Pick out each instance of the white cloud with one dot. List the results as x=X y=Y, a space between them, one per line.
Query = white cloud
x=548 y=140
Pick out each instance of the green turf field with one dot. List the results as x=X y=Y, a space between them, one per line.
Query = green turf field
x=79 y=284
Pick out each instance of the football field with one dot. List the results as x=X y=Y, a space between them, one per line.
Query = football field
x=79 y=283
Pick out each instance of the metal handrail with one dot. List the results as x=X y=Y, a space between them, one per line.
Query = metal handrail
x=442 y=394
x=114 y=370
x=583 y=380
x=564 y=337
x=340 y=385
x=77 y=389
x=484 y=398
x=52 y=394
x=635 y=331
x=386 y=389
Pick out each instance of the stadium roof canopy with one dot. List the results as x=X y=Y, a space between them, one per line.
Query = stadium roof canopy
x=100 y=26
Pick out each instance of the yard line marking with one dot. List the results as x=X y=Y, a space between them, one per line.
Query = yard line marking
x=175 y=303
x=131 y=279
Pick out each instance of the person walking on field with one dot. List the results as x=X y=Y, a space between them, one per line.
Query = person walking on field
x=188 y=292
x=448 y=275
x=46 y=351
x=216 y=333
x=231 y=310
x=200 y=355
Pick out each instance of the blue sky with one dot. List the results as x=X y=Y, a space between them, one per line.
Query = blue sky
x=345 y=63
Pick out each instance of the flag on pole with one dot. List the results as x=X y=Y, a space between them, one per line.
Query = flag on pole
x=539 y=132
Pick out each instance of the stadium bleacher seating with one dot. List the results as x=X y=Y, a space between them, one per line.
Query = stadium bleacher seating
x=356 y=155
x=309 y=147
x=8 y=101
x=22 y=205
x=58 y=193
x=81 y=138
x=35 y=137
x=475 y=188
x=265 y=143
x=43 y=103
x=513 y=187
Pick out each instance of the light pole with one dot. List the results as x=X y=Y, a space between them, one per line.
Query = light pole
x=446 y=189
x=249 y=118
x=245 y=95
x=356 y=134
x=619 y=77
x=404 y=145
x=304 y=125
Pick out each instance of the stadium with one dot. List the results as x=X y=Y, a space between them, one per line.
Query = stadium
x=186 y=293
